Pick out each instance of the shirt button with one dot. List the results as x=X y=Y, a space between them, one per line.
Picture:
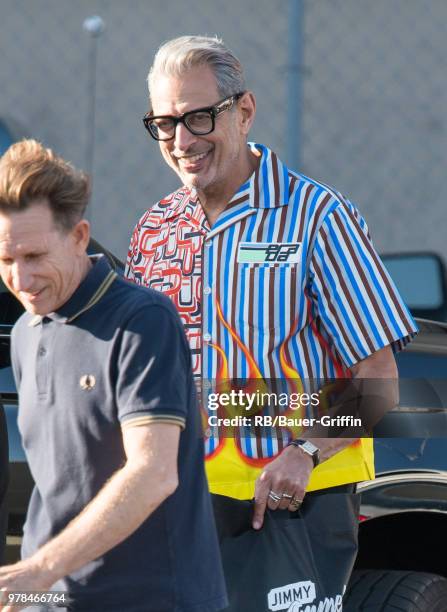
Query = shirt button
x=42 y=351
x=207 y=337
x=207 y=290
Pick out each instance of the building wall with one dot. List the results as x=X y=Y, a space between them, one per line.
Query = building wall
x=369 y=109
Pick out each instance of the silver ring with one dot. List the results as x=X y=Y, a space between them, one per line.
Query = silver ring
x=274 y=496
x=287 y=496
x=296 y=503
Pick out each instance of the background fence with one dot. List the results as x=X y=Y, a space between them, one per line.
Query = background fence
x=351 y=92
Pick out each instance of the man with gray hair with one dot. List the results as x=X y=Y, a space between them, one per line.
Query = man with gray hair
x=275 y=277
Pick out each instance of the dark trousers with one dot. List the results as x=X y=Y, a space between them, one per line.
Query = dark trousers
x=234 y=516
x=315 y=546
x=4 y=478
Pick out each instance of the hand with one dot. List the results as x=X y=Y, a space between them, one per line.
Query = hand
x=22 y=576
x=287 y=476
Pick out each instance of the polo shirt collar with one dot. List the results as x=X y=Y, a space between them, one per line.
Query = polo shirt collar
x=92 y=288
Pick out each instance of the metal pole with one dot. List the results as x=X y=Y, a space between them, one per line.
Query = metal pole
x=294 y=82
x=94 y=26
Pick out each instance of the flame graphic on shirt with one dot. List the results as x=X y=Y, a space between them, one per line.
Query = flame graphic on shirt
x=229 y=469
x=255 y=384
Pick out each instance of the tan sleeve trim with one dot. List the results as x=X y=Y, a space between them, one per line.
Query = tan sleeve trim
x=156 y=418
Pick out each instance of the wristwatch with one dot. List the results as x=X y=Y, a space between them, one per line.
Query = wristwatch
x=307 y=447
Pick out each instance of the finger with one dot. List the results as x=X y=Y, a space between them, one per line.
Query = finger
x=262 y=488
x=295 y=503
x=274 y=498
x=259 y=511
x=285 y=500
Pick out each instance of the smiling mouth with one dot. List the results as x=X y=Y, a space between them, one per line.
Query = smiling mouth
x=190 y=160
x=31 y=297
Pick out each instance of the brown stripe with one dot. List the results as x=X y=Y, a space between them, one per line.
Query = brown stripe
x=260 y=230
x=334 y=352
x=362 y=275
x=256 y=193
x=293 y=180
x=316 y=217
x=219 y=326
x=334 y=312
x=344 y=288
x=303 y=211
x=236 y=304
x=275 y=178
x=243 y=198
x=384 y=277
x=251 y=300
x=282 y=222
x=272 y=274
x=259 y=236
x=303 y=340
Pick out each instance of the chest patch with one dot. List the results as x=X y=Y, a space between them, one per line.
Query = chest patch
x=268 y=252
x=87 y=382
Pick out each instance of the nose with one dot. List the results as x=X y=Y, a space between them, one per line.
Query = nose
x=21 y=277
x=183 y=138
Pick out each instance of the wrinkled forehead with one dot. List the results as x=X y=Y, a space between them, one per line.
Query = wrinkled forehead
x=194 y=88
x=27 y=229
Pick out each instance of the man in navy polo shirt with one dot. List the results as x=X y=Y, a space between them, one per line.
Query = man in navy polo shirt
x=120 y=516
x=3 y=482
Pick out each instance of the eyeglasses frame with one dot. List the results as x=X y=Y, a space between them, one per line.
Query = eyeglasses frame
x=215 y=110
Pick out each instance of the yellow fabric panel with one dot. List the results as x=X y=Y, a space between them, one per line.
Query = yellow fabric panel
x=228 y=473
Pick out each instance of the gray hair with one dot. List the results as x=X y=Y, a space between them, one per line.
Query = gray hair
x=177 y=56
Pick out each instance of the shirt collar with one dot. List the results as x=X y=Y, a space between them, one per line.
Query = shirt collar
x=182 y=198
x=267 y=187
x=91 y=289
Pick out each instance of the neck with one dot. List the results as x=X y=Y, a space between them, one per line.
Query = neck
x=215 y=199
x=85 y=267
x=80 y=272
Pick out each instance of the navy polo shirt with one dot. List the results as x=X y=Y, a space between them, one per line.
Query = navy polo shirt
x=115 y=356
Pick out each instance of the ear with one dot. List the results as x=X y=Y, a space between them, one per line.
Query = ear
x=247 y=109
x=81 y=235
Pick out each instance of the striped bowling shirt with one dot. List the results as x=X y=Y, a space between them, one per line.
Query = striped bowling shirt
x=286 y=284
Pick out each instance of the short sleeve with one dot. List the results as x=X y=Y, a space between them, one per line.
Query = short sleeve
x=357 y=302
x=153 y=369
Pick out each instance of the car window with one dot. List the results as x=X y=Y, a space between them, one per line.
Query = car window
x=10 y=307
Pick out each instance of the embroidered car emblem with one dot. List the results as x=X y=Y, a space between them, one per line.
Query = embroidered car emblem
x=269 y=252
x=87 y=382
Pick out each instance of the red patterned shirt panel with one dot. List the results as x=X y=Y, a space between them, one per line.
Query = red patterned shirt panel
x=165 y=254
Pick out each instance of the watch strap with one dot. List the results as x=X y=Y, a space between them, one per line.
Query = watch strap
x=309 y=448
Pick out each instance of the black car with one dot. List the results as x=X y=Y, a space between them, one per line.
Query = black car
x=403 y=521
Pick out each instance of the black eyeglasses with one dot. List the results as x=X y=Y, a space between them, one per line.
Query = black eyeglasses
x=199 y=122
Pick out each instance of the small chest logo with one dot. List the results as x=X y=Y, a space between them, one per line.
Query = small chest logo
x=87 y=382
x=268 y=252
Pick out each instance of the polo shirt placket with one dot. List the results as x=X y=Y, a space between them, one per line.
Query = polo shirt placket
x=43 y=361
